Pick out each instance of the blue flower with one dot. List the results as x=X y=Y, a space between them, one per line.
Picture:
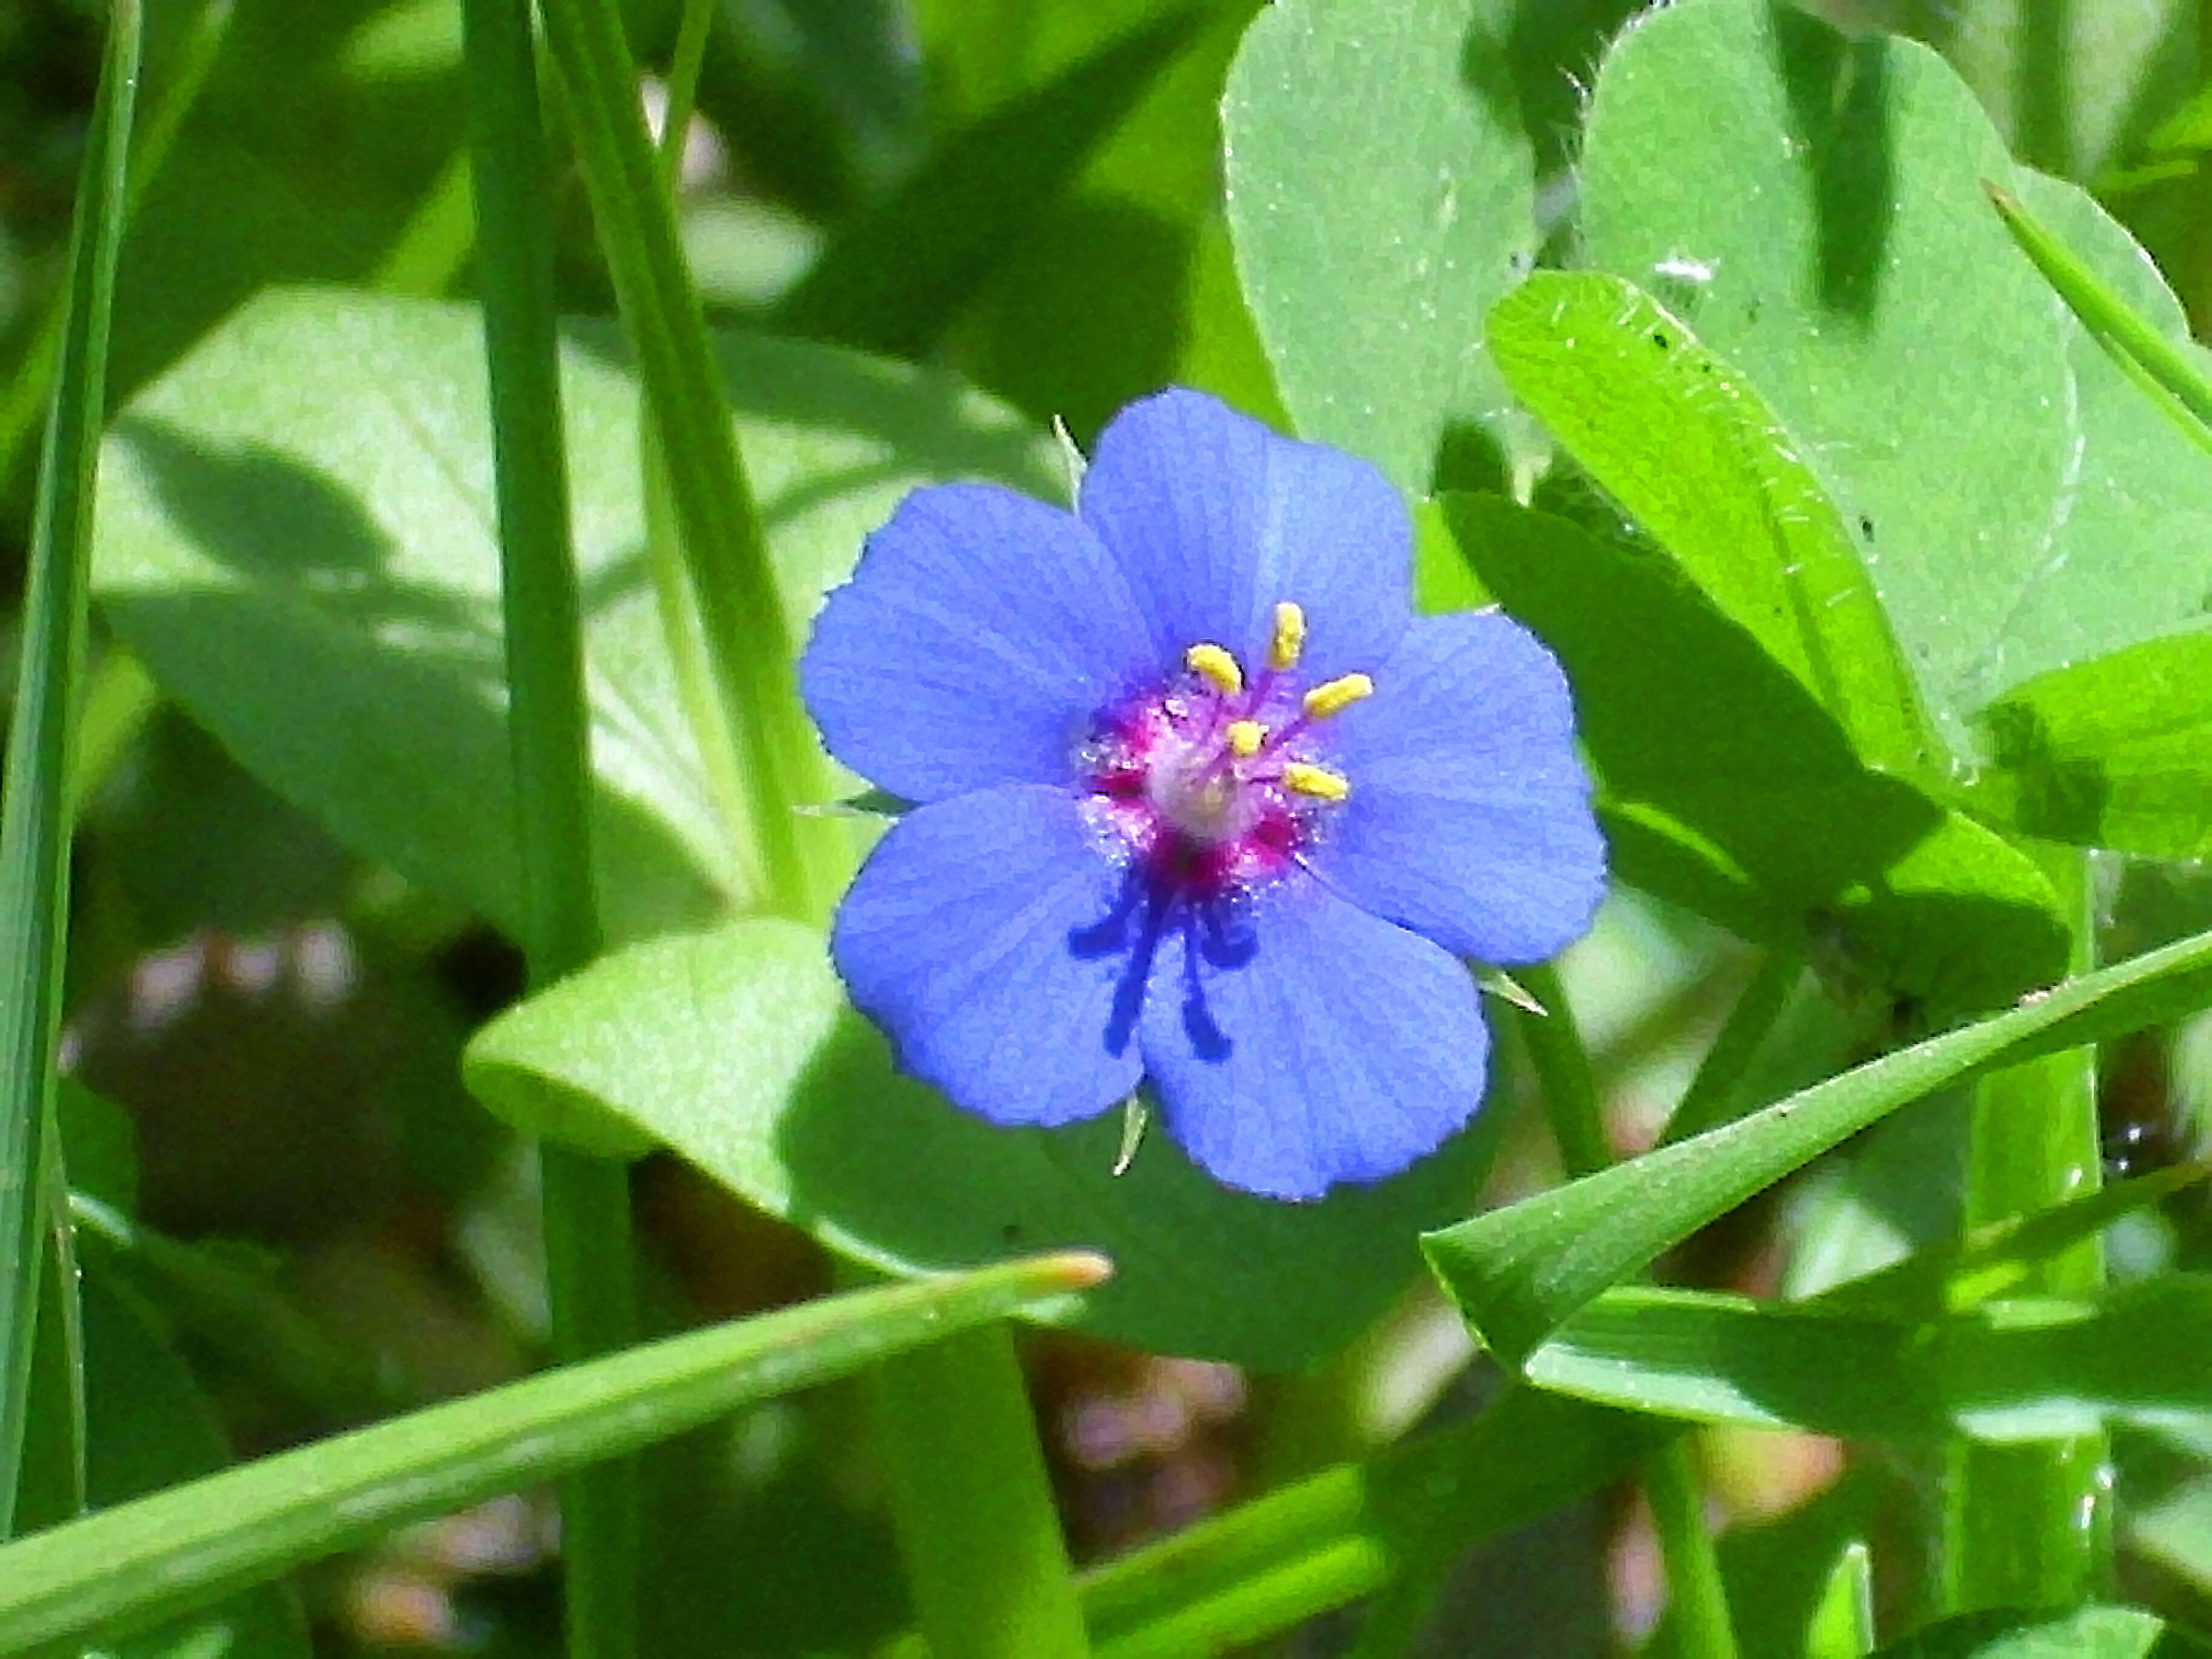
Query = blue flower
x=1200 y=803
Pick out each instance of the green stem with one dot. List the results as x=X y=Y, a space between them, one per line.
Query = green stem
x=2029 y=1526
x=434 y=248
x=2043 y=113
x=969 y=1392
x=1710 y=1099
x=35 y=802
x=2193 y=280
x=1398 y=1614
x=590 y=1267
x=1564 y=1075
x=589 y=1281
x=1695 y=1595
x=720 y=762
x=747 y=638
x=972 y=1505
x=1411 y=1508
x=683 y=66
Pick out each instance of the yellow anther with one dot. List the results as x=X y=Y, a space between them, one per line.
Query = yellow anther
x=1245 y=737
x=1290 y=635
x=1334 y=696
x=1216 y=666
x=1317 y=781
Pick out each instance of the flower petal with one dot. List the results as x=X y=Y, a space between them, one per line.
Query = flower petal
x=1308 y=1044
x=986 y=936
x=1215 y=518
x=1470 y=819
x=979 y=633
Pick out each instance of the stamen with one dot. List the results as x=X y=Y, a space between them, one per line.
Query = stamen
x=1290 y=636
x=1246 y=737
x=1303 y=778
x=1334 y=696
x=1213 y=665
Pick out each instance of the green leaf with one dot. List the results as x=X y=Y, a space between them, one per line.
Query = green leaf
x=1726 y=788
x=1326 y=1542
x=295 y=535
x=737 y=1049
x=300 y=160
x=157 y=1557
x=1520 y=1273
x=1813 y=207
x=1796 y=1581
x=37 y=803
x=2169 y=368
x=2006 y=1371
x=2088 y=1633
x=2004 y=1256
x=895 y=279
x=1128 y=282
x=2114 y=752
x=1380 y=204
x=1681 y=441
x=1712 y=1359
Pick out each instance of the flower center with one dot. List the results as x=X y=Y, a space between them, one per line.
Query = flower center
x=1216 y=781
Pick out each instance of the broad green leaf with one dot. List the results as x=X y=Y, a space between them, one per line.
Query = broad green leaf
x=2114 y=752
x=2086 y=1632
x=1726 y=788
x=895 y=279
x=1129 y=281
x=2006 y=1371
x=1813 y=207
x=1381 y=202
x=301 y=161
x=737 y=1049
x=1686 y=445
x=160 y=1556
x=1519 y=1272
x=295 y=535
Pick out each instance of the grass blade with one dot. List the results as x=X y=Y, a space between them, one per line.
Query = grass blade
x=34 y=818
x=129 y=1566
x=2163 y=368
x=1520 y=1273
x=741 y=615
x=590 y=1267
